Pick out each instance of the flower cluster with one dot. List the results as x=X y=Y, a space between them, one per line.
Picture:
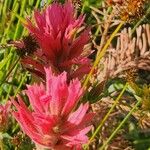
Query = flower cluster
x=56 y=31
x=55 y=47
x=53 y=121
x=128 y=10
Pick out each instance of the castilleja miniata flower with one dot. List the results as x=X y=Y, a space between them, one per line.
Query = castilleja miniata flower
x=54 y=122
x=61 y=46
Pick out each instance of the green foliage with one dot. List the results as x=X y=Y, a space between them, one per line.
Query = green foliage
x=13 y=77
x=140 y=138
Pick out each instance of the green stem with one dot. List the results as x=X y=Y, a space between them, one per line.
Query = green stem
x=142 y=141
x=102 y=53
x=85 y=3
x=107 y=115
x=7 y=75
x=11 y=85
x=23 y=4
x=21 y=83
x=1 y=145
x=120 y=125
x=5 y=7
x=15 y=9
x=37 y=3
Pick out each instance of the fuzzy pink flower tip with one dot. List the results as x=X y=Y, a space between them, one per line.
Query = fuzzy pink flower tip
x=55 y=30
x=53 y=122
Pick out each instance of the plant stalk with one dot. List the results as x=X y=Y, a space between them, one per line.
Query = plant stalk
x=102 y=53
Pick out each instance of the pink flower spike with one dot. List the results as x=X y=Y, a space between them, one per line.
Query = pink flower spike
x=55 y=31
x=54 y=121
